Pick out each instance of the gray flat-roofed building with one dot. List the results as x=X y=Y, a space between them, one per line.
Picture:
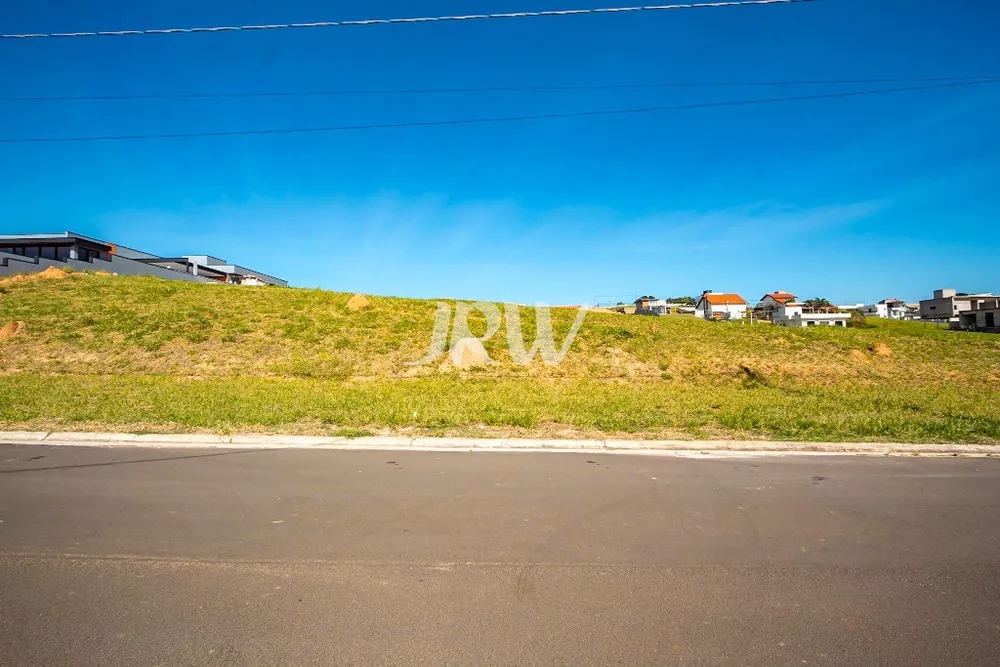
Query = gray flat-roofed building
x=984 y=316
x=948 y=303
x=32 y=253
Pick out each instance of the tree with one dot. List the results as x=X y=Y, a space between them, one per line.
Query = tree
x=682 y=300
x=817 y=303
x=859 y=321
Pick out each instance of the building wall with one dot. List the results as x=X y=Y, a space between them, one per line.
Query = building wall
x=804 y=321
x=14 y=264
x=876 y=310
x=733 y=311
x=789 y=311
x=727 y=311
x=942 y=309
x=792 y=316
x=983 y=317
x=706 y=310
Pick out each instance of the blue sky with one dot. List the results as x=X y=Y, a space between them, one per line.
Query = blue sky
x=852 y=199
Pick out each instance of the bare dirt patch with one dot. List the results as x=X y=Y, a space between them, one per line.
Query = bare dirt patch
x=358 y=302
x=51 y=273
x=882 y=350
x=10 y=330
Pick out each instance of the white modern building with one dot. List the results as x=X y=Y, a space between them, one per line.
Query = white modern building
x=720 y=306
x=796 y=315
x=892 y=309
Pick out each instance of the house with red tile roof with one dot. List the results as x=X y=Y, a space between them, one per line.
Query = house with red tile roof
x=720 y=306
x=771 y=302
x=775 y=299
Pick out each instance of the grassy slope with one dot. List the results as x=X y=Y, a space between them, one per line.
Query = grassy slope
x=141 y=353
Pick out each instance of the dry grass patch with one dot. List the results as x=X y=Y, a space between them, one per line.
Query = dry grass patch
x=127 y=330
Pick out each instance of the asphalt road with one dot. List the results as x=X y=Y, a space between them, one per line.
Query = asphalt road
x=287 y=557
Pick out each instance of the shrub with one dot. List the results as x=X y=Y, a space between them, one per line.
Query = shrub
x=859 y=321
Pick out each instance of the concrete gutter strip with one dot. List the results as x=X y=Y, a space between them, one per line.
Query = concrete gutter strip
x=179 y=438
x=692 y=447
x=23 y=436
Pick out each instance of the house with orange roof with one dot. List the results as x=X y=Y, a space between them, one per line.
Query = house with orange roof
x=771 y=302
x=720 y=306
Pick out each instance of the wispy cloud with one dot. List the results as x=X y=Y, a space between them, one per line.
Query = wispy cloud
x=755 y=226
x=430 y=246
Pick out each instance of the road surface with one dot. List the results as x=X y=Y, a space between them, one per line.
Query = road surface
x=289 y=557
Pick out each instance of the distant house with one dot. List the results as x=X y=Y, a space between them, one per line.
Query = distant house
x=720 y=306
x=794 y=314
x=775 y=300
x=948 y=303
x=771 y=302
x=650 y=305
x=893 y=309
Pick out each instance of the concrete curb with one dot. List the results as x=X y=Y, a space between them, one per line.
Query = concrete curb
x=679 y=447
x=23 y=436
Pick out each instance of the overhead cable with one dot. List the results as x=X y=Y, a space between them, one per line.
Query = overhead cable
x=495 y=119
x=405 y=20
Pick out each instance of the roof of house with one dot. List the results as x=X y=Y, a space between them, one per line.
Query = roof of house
x=67 y=239
x=719 y=299
x=779 y=296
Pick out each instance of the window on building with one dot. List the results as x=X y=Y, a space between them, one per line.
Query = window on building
x=62 y=253
x=32 y=251
x=48 y=252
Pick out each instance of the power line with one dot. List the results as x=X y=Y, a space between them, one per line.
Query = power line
x=421 y=19
x=492 y=89
x=500 y=119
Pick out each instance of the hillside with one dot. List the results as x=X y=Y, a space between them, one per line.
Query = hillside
x=105 y=352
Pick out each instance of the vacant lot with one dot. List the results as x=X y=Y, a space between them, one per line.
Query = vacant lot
x=106 y=352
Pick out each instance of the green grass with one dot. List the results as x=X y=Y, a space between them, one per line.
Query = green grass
x=145 y=354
